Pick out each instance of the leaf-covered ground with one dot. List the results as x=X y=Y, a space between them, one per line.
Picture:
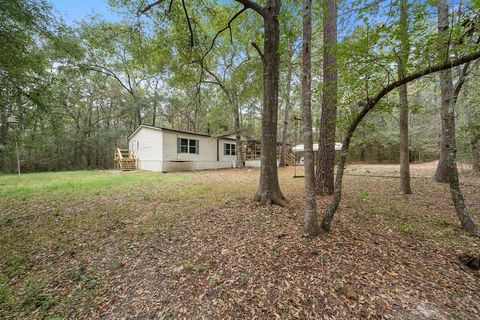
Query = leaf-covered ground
x=193 y=245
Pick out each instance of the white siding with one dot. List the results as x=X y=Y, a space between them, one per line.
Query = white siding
x=222 y=155
x=253 y=163
x=149 y=142
x=205 y=159
x=157 y=151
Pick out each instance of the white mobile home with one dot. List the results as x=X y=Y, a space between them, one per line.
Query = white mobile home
x=167 y=150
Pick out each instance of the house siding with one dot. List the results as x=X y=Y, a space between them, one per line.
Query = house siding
x=221 y=146
x=157 y=151
x=205 y=159
x=149 y=148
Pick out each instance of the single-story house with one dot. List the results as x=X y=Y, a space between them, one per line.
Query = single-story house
x=167 y=150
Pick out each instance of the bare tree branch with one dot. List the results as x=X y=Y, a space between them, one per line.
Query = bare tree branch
x=260 y=52
x=216 y=77
x=462 y=77
x=188 y=23
x=222 y=30
x=252 y=5
x=150 y=6
x=112 y=74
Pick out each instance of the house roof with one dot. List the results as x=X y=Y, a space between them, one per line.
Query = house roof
x=300 y=147
x=175 y=130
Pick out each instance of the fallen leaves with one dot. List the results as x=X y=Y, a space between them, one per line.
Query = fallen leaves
x=187 y=257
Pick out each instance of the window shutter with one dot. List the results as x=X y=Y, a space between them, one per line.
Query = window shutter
x=198 y=146
x=178 y=145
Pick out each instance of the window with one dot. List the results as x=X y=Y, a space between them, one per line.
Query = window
x=187 y=145
x=229 y=149
x=182 y=145
x=193 y=146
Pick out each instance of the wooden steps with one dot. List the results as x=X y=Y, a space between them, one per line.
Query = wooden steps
x=125 y=160
x=289 y=159
x=128 y=165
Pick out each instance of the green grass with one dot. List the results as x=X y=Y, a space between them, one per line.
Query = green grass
x=80 y=183
x=49 y=212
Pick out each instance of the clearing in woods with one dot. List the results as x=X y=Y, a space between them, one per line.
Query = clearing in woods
x=101 y=244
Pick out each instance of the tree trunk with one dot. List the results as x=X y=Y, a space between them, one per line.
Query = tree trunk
x=466 y=220
x=4 y=138
x=154 y=115
x=446 y=88
x=311 y=226
x=475 y=156
x=448 y=125
x=326 y=144
x=286 y=118
x=473 y=139
x=269 y=188
x=238 y=135
x=362 y=153
x=403 y=95
x=369 y=105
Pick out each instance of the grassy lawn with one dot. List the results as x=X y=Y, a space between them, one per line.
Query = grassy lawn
x=103 y=244
x=42 y=212
x=73 y=183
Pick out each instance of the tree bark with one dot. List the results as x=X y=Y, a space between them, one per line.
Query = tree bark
x=4 y=138
x=403 y=95
x=446 y=88
x=311 y=226
x=286 y=117
x=473 y=138
x=475 y=150
x=362 y=153
x=326 y=144
x=269 y=188
x=466 y=220
x=238 y=134
x=449 y=98
x=154 y=114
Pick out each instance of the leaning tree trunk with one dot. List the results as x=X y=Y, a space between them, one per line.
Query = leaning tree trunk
x=367 y=106
x=311 y=226
x=269 y=188
x=449 y=99
x=326 y=144
x=462 y=212
x=403 y=95
x=473 y=138
x=283 y=151
x=446 y=87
